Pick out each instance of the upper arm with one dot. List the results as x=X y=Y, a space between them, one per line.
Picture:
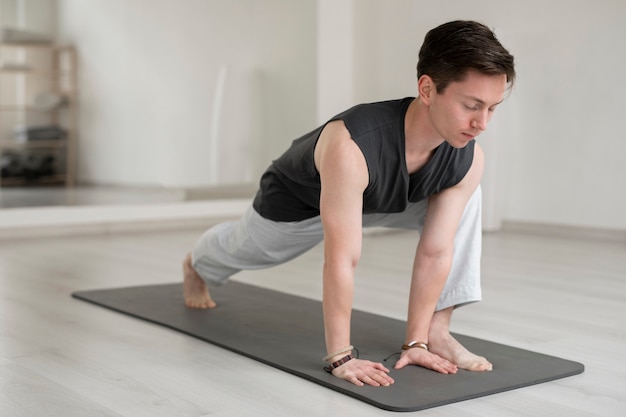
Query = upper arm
x=446 y=208
x=344 y=177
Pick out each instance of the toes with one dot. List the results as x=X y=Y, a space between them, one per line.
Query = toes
x=480 y=365
x=200 y=303
x=486 y=367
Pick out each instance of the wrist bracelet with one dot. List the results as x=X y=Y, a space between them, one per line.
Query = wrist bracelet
x=337 y=364
x=339 y=352
x=415 y=344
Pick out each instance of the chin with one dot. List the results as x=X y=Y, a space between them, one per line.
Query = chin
x=459 y=144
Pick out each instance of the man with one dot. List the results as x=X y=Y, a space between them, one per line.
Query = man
x=409 y=163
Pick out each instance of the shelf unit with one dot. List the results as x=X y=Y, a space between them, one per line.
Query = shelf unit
x=31 y=75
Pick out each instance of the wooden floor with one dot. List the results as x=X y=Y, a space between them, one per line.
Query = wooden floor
x=63 y=357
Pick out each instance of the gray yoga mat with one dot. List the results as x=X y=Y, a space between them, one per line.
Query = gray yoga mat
x=286 y=332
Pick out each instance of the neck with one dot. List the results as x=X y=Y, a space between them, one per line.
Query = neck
x=420 y=135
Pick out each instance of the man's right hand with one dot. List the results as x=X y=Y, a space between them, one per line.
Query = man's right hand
x=426 y=359
x=363 y=372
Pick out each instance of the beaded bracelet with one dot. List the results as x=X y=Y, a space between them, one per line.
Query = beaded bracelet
x=337 y=364
x=344 y=350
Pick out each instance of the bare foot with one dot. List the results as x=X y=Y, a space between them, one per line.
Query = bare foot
x=194 y=288
x=446 y=346
x=441 y=342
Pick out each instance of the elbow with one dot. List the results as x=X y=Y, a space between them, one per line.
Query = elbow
x=345 y=267
x=340 y=265
x=435 y=253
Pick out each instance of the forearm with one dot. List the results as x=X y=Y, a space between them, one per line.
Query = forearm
x=429 y=277
x=337 y=306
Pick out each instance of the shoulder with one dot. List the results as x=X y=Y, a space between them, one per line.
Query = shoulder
x=335 y=141
x=462 y=191
x=465 y=165
x=446 y=208
x=475 y=173
x=366 y=117
x=337 y=155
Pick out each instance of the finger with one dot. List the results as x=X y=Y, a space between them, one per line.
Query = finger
x=370 y=381
x=377 y=379
x=382 y=379
x=356 y=381
x=402 y=362
x=444 y=366
x=450 y=367
x=380 y=367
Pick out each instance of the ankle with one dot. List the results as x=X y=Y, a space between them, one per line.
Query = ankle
x=439 y=333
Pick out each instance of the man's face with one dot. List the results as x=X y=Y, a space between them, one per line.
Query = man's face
x=465 y=107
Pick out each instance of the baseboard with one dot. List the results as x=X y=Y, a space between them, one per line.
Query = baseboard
x=565 y=231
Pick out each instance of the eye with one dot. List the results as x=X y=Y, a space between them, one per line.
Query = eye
x=472 y=108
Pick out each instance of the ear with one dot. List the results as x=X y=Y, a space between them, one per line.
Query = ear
x=426 y=88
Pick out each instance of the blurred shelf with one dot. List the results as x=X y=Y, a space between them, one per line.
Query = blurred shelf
x=56 y=179
x=50 y=70
x=41 y=144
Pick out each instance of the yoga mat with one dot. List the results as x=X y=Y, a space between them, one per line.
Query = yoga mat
x=286 y=332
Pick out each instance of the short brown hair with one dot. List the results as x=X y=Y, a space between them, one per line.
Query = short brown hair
x=450 y=50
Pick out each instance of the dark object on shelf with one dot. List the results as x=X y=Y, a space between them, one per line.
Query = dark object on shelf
x=32 y=134
x=10 y=165
x=37 y=165
x=28 y=165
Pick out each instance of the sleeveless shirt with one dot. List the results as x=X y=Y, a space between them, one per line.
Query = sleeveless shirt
x=290 y=188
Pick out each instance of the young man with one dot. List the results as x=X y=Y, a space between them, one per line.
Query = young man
x=409 y=163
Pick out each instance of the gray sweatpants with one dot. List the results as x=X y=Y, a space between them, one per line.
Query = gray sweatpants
x=254 y=242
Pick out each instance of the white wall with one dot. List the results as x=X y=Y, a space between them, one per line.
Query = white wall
x=149 y=68
x=560 y=145
x=335 y=57
x=149 y=71
x=568 y=156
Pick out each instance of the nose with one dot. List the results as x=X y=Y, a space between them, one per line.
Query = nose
x=481 y=120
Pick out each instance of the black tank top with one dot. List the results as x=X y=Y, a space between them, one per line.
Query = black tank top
x=290 y=188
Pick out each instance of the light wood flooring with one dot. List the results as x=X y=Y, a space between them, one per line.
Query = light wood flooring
x=64 y=357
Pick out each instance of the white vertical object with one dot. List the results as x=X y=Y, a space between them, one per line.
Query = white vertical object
x=20 y=79
x=216 y=116
x=335 y=57
x=492 y=206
